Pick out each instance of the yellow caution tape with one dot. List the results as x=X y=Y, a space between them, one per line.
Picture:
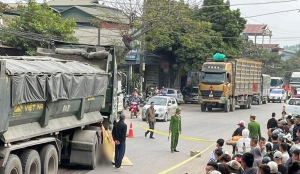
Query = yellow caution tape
x=167 y=134
x=184 y=162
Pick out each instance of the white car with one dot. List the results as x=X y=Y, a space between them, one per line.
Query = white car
x=164 y=107
x=277 y=95
x=292 y=106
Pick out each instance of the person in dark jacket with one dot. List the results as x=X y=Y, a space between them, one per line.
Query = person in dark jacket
x=296 y=127
x=272 y=123
x=238 y=132
x=119 y=135
x=247 y=163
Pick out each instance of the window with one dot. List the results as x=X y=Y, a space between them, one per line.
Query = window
x=294 y=102
x=171 y=92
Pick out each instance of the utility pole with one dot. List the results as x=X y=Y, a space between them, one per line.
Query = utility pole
x=143 y=53
x=99 y=34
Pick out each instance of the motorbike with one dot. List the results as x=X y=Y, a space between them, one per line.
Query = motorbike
x=126 y=101
x=133 y=109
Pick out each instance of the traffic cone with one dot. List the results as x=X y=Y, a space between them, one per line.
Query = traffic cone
x=130 y=135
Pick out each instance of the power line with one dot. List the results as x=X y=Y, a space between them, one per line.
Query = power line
x=272 y=13
x=204 y=6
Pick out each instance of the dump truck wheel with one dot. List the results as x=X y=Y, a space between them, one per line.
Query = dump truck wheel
x=232 y=106
x=13 y=165
x=49 y=159
x=249 y=103
x=95 y=154
x=31 y=162
x=203 y=107
x=227 y=106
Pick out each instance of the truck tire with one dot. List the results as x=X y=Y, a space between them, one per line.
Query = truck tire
x=227 y=106
x=259 y=102
x=232 y=106
x=203 y=107
x=249 y=103
x=13 y=165
x=49 y=159
x=31 y=162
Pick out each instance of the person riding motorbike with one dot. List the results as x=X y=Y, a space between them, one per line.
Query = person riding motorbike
x=136 y=98
x=163 y=91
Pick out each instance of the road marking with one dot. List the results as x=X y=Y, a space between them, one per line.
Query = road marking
x=186 y=161
x=167 y=134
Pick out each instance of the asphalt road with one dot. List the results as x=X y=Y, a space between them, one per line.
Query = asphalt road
x=152 y=156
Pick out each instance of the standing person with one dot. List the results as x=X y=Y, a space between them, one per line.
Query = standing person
x=262 y=146
x=254 y=128
x=296 y=127
x=219 y=145
x=150 y=118
x=282 y=168
x=283 y=147
x=243 y=144
x=247 y=163
x=272 y=123
x=238 y=132
x=175 y=129
x=119 y=135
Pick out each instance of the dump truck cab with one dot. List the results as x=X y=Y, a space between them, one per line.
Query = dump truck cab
x=215 y=84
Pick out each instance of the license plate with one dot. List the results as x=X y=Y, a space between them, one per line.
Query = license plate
x=211 y=95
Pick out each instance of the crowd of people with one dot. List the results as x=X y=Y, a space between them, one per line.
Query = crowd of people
x=254 y=154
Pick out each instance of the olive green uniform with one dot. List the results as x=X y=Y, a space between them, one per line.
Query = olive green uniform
x=254 y=129
x=175 y=128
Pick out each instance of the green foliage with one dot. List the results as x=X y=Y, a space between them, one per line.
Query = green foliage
x=228 y=23
x=187 y=42
x=37 y=19
x=274 y=66
x=4 y=7
x=292 y=47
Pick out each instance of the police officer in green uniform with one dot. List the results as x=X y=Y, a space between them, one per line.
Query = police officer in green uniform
x=254 y=128
x=175 y=129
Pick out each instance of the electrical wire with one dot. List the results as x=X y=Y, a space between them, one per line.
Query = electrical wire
x=284 y=11
x=204 y=6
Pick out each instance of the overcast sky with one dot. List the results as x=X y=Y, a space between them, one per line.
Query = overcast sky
x=285 y=26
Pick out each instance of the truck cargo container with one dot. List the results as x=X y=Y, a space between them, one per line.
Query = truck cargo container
x=262 y=97
x=52 y=111
x=225 y=84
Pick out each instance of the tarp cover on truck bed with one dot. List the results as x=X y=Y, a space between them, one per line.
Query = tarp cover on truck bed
x=53 y=79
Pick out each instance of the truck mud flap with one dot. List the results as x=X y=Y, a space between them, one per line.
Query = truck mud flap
x=83 y=147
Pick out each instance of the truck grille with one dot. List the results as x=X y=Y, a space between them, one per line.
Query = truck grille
x=205 y=94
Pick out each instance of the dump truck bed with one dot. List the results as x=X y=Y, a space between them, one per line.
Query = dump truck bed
x=247 y=77
x=43 y=95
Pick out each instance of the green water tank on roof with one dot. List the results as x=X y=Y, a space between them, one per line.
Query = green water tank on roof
x=218 y=57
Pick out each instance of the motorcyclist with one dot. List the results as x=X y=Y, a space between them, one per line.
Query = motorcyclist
x=135 y=98
x=163 y=91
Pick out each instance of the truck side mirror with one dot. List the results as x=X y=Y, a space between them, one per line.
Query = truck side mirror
x=228 y=78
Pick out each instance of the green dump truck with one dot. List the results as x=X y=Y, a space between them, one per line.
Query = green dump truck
x=52 y=111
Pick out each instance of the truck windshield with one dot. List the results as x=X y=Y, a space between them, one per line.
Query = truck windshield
x=194 y=90
x=276 y=82
x=210 y=77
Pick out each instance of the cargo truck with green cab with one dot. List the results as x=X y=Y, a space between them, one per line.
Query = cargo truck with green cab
x=52 y=111
x=225 y=83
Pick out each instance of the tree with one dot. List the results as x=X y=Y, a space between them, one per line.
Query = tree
x=273 y=65
x=36 y=25
x=188 y=43
x=225 y=21
x=4 y=7
x=140 y=18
